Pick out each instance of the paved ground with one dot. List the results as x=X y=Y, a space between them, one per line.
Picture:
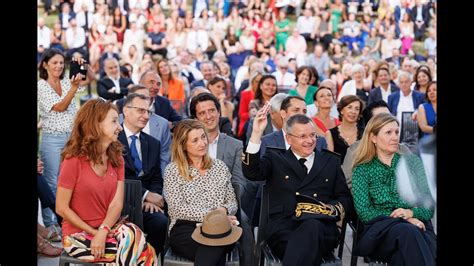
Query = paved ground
x=346 y=255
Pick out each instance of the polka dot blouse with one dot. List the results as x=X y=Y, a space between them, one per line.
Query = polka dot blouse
x=55 y=122
x=191 y=200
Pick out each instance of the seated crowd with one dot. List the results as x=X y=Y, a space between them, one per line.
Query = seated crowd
x=311 y=98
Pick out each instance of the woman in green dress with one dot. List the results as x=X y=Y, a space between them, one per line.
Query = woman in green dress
x=394 y=230
x=338 y=13
x=282 y=29
x=303 y=87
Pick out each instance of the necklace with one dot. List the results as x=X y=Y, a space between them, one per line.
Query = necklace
x=348 y=137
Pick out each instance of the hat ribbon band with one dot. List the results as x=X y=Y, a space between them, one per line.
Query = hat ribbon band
x=216 y=236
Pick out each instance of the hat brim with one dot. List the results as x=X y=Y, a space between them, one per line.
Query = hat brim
x=230 y=239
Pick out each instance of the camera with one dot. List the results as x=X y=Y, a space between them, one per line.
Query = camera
x=75 y=68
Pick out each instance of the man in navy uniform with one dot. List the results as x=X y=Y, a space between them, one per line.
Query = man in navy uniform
x=299 y=172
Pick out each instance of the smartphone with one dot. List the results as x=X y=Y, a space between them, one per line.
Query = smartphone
x=75 y=68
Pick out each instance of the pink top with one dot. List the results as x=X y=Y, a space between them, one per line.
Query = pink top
x=91 y=194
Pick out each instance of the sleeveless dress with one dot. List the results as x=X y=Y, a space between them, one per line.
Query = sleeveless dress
x=340 y=144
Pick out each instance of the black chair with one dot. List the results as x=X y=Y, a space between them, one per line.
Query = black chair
x=262 y=248
x=357 y=228
x=132 y=206
x=232 y=258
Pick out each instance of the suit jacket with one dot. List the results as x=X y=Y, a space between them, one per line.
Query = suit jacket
x=103 y=85
x=398 y=13
x=276 y=139
x=225 y=126
x=164 y=109
x=152 y=179
x=376 y=94
x=160 y=130
x=286 y=178
x=424 y=14
x=394 y=99
x=229 y=150
x=197 y=83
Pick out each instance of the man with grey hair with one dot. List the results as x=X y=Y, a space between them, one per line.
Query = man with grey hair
x=208 y=71
x=113 y=87
x=405 y=100
x=296 y=178
x=159 y=104
x=275 y=122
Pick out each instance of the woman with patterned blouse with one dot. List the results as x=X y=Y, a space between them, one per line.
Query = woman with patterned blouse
x=195 y=184
x=394 y=230
x=57 y=109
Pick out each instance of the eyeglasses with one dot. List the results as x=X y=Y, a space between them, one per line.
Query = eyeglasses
x=141 y=111
x=303 y=137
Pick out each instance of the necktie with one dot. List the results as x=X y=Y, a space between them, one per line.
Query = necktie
x=134 y=152
x=302 y=161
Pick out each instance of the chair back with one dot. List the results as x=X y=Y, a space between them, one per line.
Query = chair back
x=132 y=205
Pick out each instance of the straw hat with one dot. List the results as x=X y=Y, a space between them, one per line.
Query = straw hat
x=216 y=230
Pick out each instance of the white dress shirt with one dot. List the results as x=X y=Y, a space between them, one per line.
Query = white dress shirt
x=386 y=93
x=405 y=105
x=213 y=148
x=116 y=85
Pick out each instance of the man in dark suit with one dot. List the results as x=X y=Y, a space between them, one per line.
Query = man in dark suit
x=420 y=16
x=159 y=105
x=290 y=106
x=156 y=127
x=142 y=162
x=108 y=53
x=404 y=100
x=113 y=87
x=385 y=89
x=206 y=108
x=300 y=171
x=208 y=72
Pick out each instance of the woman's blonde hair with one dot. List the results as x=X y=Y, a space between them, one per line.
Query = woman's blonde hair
x=178 y=146
x=366 y=150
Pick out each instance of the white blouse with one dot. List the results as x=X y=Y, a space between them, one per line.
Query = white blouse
x=55 y=122
x=191 y=200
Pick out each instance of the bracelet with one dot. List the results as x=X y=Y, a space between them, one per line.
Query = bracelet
x=106 y=227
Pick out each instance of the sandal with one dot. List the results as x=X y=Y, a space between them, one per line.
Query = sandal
x=46 y=249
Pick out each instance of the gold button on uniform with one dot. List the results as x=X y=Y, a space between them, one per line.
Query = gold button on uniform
x=315 y=195
x=286 y=177
x=297 y=193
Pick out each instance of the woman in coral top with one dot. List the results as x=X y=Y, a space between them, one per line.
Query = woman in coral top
x=172 y=88
x=90 y=192
x=245 y=97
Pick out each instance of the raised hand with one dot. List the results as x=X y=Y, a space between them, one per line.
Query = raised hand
x=260 y=120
